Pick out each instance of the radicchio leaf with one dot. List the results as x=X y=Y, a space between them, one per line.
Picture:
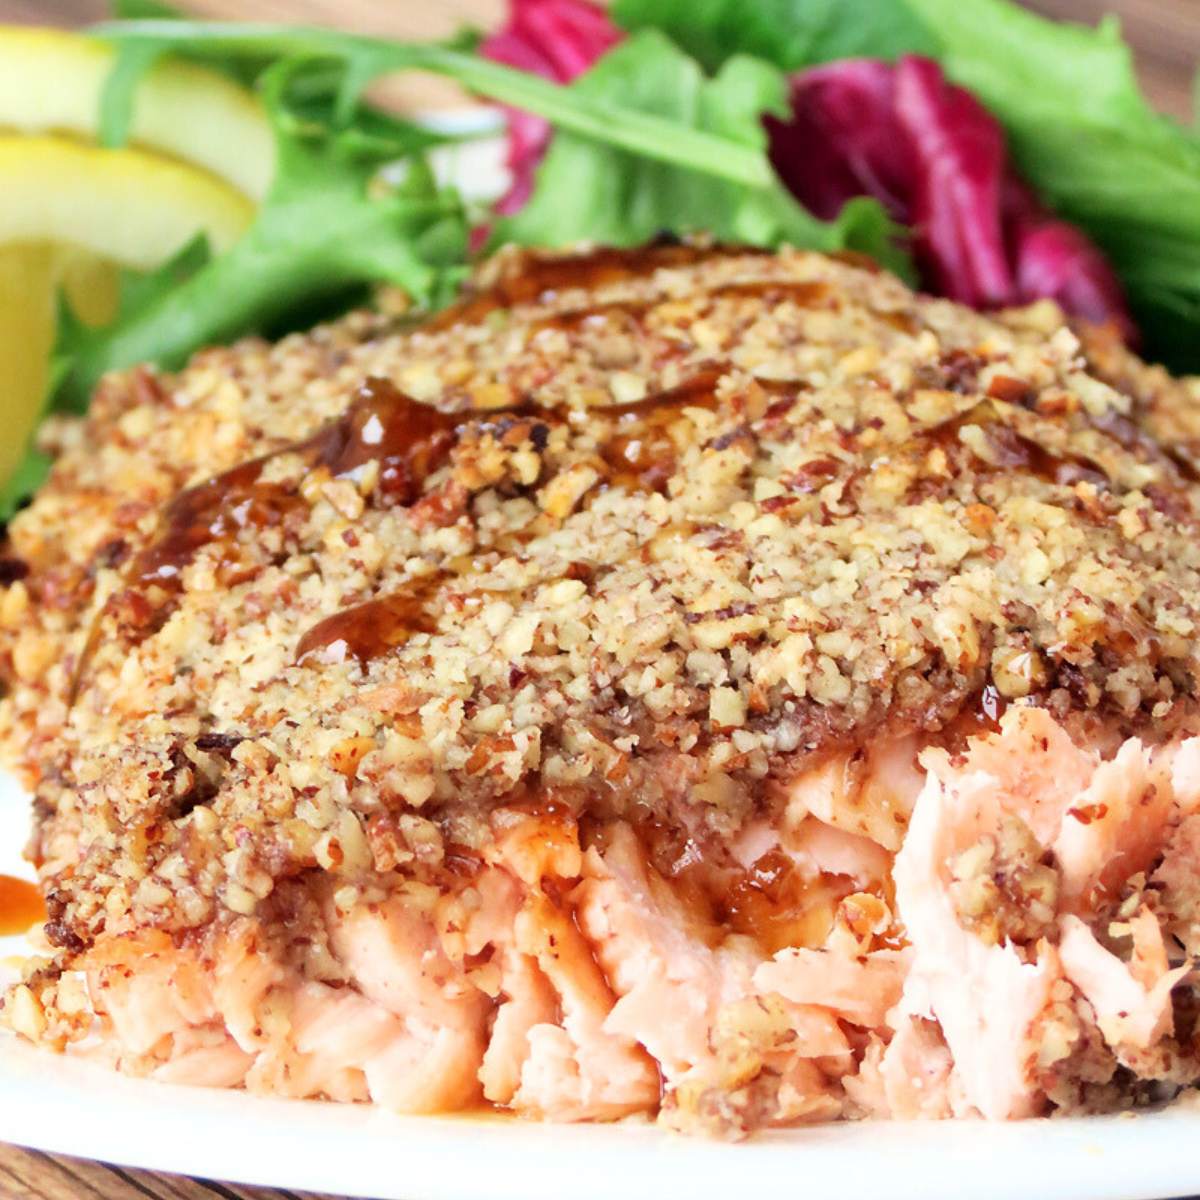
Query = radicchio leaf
x=959 y=164
x=1054 y=259
x=937 y=160
x=842 y=139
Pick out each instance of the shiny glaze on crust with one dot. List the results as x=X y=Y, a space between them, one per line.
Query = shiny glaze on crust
x=368 y=630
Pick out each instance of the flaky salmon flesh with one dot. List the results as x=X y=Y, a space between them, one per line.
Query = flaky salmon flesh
x=692 y=683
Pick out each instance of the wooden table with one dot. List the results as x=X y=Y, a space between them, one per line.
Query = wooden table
x=1166 y=36
x=28 y=1175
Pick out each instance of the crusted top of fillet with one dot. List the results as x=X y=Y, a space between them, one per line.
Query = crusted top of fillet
x=859 y=505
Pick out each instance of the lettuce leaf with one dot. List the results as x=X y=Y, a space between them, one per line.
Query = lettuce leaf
x=588 y=191
x=789 y=33
x=28 y=476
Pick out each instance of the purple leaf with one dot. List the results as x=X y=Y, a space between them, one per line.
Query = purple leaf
x=842 y=139
x=1053 y=258
x=936 y=159
x=959 y=165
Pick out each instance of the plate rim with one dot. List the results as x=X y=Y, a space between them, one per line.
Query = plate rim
x=358 y=1150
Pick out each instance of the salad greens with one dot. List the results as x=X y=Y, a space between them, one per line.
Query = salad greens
x=591 y=191
x=362 y=59
x=1079 y=129
x=663 y=134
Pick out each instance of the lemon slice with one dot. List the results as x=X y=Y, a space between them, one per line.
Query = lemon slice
x=51 y=81
x=128 y=205
x=69 y=215
x=27 y=282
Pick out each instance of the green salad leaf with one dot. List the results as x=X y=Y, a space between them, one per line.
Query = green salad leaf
x=588 y=191
x=78 y=343
x=363 y=59
x=789 y=33
x=28 y=476
x=240 y=70
x=1085 y=137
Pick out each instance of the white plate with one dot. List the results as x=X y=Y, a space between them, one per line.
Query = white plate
x=71 y=1107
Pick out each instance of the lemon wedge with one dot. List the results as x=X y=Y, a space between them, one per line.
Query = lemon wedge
x=70 y=214
x=51 y=82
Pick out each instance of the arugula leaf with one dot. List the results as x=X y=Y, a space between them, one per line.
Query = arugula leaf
x=240 y=70
x=789 y=33
x=1084 y=136
x=326 y=224
x=587 y=191
x=116 y=101
x=77 y=344
x=316 y=99
x=29 y=475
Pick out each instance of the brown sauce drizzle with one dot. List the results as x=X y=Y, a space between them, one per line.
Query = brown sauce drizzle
x=213 y=511
x=1013 y=451
x=21 y=905
x=368 y=631
x=641 y=453
x=803 y=293
x=856 y=258
x=408 y=439
x=574 y=318
x=1132 y=437
x=979 y=715
x=539 y=278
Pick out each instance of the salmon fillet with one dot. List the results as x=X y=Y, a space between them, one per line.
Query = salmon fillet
x=690 y=682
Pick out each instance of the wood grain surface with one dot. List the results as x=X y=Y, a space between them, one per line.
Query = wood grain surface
x=28 y=1175
x=1166 y=38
